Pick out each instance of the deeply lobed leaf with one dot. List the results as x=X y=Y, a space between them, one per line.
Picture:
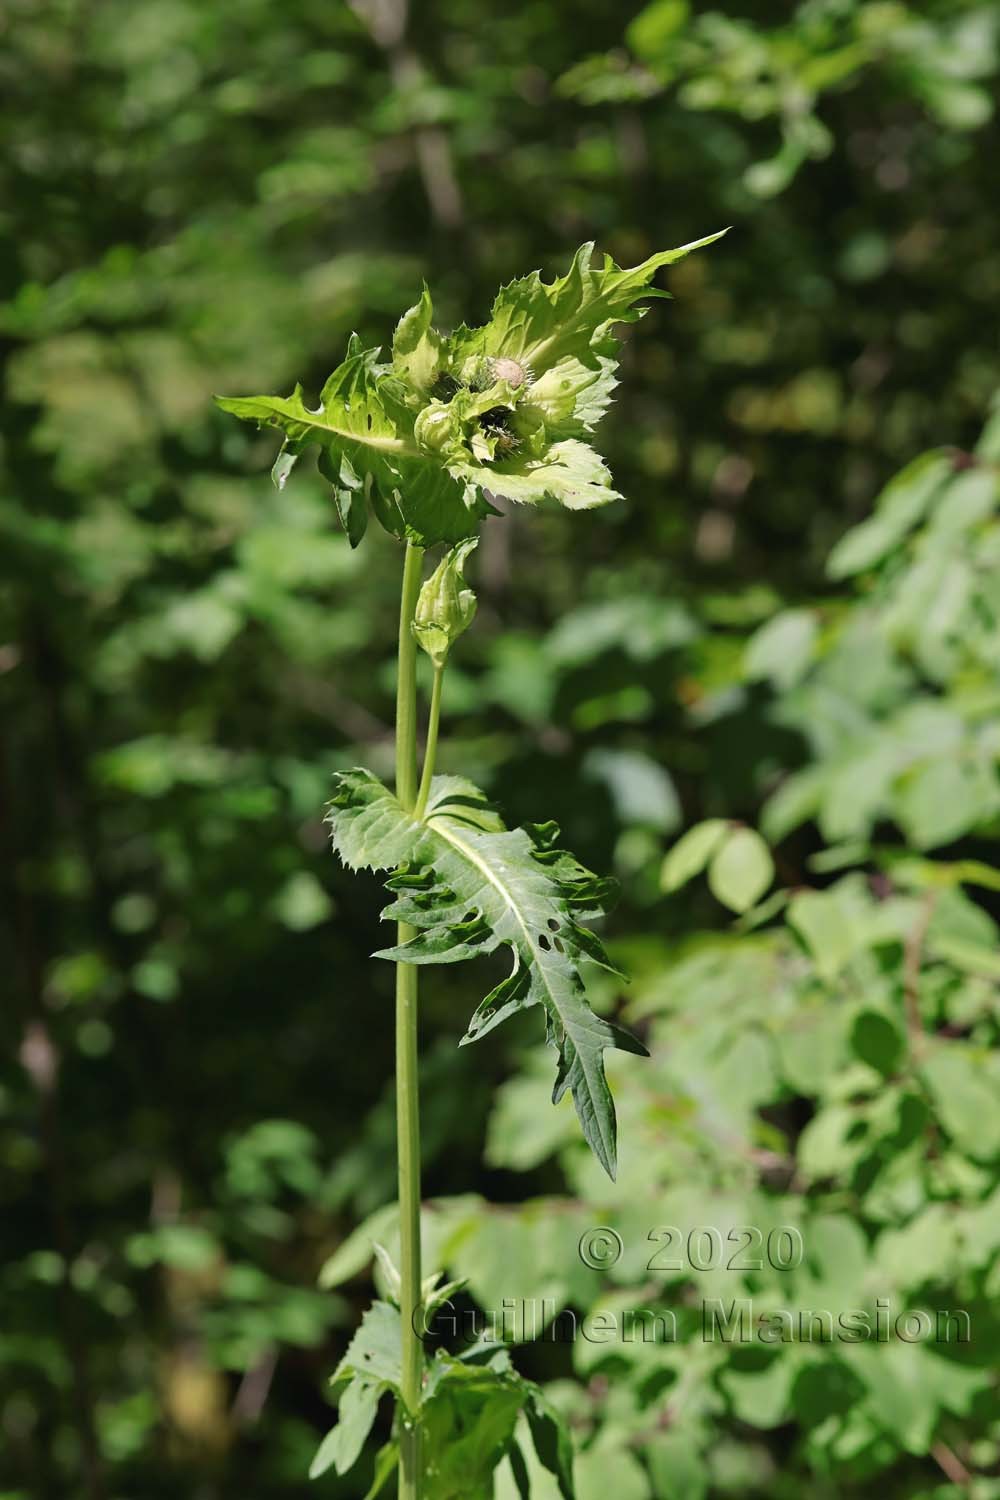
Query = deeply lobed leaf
x=469 y=885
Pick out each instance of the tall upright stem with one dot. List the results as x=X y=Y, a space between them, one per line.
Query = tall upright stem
x=407 y=1076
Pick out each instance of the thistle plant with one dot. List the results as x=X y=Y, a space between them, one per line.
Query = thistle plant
x=422 y=442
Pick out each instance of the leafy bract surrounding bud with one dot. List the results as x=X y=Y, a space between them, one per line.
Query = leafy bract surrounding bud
x=468 y=886
x=445 y=607
x=428 y=437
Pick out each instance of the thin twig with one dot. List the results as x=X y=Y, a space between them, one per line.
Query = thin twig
x=386 y=20
x=950 y=1464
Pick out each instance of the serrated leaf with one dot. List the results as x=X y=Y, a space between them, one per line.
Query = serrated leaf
x=416 y=346
x=348 y=493
x=504 y=409
x=342 y=1446
x=468 y=1428
x=569 y=471
x=362 y=418
x=560 y=333
x=374 y=1353
x=469 y=885
x=470 y=1412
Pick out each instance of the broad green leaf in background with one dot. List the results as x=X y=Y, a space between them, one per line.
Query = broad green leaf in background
x=691 y=853
x=902 y=504
x=967 y=1097
x=782 y=649
x=828 y=925
x=741 y=869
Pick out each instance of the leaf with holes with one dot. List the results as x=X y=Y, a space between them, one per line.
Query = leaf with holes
x=469 y=885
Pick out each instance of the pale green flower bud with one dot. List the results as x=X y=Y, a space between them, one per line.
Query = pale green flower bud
x=437 y=427
x=445 y=607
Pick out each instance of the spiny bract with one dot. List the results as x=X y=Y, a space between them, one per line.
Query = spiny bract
x=428 y=437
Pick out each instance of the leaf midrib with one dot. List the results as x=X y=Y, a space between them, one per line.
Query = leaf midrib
x=475 y=859
x=366 y=439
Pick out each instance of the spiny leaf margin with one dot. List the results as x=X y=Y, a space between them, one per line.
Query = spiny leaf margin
x=428 y=439
x=469 y=885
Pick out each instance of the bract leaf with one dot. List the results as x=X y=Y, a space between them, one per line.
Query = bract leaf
x=362 y=417
x=505 y=409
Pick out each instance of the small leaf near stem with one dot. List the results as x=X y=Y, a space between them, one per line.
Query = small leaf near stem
x=446 y=607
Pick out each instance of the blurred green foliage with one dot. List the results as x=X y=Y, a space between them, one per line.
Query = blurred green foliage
x=193 y=1118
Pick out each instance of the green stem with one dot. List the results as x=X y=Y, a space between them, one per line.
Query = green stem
x=430 y=752
x=407 y=1076
x=406 y=681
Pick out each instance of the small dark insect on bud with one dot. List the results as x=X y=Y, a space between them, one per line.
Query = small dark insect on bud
x=494 y=423
x=495 y=416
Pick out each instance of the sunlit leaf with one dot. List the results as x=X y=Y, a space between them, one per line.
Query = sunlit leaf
x=469 y=885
